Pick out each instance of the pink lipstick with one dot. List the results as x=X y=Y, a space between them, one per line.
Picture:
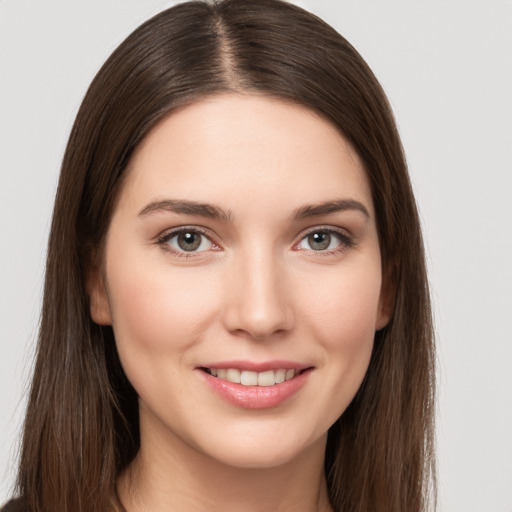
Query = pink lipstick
x=253 y=385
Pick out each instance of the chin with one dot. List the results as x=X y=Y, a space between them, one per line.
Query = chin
x=265 y=452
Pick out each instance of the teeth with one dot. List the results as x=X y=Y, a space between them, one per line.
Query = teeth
x=247 y=378
x=233 y=375
x=280 y=376
x=266 y=378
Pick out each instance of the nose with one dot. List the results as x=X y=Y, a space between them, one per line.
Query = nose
x=258 y=302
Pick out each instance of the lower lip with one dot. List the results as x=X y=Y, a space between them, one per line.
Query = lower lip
x=256 y=397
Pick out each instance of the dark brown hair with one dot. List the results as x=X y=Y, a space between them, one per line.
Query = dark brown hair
x=81 y=427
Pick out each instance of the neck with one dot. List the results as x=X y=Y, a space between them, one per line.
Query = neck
x=183 y=478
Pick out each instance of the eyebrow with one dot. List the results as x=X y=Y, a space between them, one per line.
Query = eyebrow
x=211 y=211
x=328 y=207
x=188 y=208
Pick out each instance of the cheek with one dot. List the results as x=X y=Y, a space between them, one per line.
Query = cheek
x=342 y=318
x=346 y=307
x=157 y=315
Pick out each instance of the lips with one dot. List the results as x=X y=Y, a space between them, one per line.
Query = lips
x=251 y=378
x=254 y=385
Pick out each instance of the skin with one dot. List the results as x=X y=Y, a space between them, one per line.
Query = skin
x=255 y=290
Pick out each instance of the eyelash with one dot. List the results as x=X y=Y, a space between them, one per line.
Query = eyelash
x=164 y=239
x=345 y=241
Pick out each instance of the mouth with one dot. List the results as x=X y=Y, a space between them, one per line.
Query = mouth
x=256 y=385
x=252 y=378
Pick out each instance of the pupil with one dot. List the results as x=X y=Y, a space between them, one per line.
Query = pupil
x=319 y=241
x=189 y=241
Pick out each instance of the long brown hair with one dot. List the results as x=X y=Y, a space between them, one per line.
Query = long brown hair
x=81 y=427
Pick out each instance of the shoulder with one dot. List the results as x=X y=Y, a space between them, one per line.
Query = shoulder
x=16 y=505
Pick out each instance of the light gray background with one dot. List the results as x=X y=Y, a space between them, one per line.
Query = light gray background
x=447 y=68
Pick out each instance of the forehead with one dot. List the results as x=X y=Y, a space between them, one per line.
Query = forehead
x=233 y=146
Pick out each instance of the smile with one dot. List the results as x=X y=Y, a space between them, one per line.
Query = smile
x=250 y=378
x=256 y=386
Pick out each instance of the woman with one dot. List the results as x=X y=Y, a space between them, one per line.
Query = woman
x=236 y=311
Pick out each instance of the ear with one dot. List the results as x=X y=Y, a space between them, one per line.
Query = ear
x=386 y=302
x=98 y=299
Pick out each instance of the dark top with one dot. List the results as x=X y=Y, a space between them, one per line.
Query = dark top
x=16 y=505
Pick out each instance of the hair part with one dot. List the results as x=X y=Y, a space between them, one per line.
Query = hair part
x=81 y=429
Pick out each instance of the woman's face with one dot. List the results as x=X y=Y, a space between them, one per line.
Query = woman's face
x=242 y=278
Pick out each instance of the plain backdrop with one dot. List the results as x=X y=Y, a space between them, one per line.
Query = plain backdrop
x=447 y=68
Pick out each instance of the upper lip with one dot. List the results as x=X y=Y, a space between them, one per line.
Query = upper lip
x=255 y=366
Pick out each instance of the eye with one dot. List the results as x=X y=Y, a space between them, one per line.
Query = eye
x=187 y=240
x=324 y=240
